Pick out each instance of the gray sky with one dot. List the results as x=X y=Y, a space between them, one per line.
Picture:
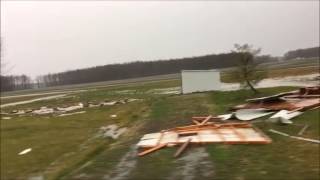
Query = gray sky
x=53 y=36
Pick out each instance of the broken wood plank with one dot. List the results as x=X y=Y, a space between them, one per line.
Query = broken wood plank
x=315 y=108
x=196 y=122
x=152 y=149
x=240 y=135
x=295 y=110
x=295 y=137
x=206 y=120
x=182 y=148
x=303 y=129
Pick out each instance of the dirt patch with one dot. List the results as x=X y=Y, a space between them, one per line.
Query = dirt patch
x=125 y=166
x=194 y=163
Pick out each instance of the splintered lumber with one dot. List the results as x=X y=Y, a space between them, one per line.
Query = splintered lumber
x=206 y=120
x=315 y=108
x=209 y=126
x=303 y=129
x=196 y=122
x=295 y=137
x=152 y=149
x=202 y=118
x=182 y=148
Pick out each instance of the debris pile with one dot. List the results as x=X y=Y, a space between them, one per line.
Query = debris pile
x=286 y=105
x=64 y=111
x=203 y=132
x=216 y=129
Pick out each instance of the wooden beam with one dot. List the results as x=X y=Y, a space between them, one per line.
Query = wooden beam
x=196 y=122
x=303 y=129
x=206 y=120
x=152 y=149
x=182 y=148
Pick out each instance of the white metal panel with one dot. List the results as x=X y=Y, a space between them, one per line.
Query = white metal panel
x=200 y=80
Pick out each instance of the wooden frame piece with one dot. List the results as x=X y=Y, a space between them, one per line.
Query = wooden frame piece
x=152 y=149
x=182 y=148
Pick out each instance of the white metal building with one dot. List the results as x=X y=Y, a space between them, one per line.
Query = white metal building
x=200 y=80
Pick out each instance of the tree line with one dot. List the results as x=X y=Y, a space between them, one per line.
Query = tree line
x=138 y=69
x=11 y=83
x=302 y=53
x=141 y=69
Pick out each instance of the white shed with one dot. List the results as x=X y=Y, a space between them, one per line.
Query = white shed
x=200 y=80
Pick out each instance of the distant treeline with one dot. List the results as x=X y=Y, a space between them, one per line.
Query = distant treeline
x=302 y=53
x=140 y=69
x=10 y=83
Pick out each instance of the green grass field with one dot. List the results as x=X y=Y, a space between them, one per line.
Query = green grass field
x=67 y=147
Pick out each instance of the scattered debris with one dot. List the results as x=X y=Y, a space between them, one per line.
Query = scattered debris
x=284 y=116
x=111 y=103
x=6 y=118
x=43 y=110
x=303 y=129
x=288 y=104
x=286 y=101
x=246 y=114
x=294 y=137
x=69 y=114
x=112 y=131
x=205 y=132
x=25 y=151
x=71 y=108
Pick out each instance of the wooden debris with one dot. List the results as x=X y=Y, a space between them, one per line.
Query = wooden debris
x=303 y=129
x=228 y=133
x=182 y=148
x=206 y=120
x=152 y=149
x=295 y=137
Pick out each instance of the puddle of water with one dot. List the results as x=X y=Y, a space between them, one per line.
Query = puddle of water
x=303 y=80
x=125 y=166
x=197 y=159
x=171 y=90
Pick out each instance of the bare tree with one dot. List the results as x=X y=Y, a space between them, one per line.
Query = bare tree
x=247 y=72
x=5 y=68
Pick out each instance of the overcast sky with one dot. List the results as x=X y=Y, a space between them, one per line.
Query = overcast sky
x=53 y=36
